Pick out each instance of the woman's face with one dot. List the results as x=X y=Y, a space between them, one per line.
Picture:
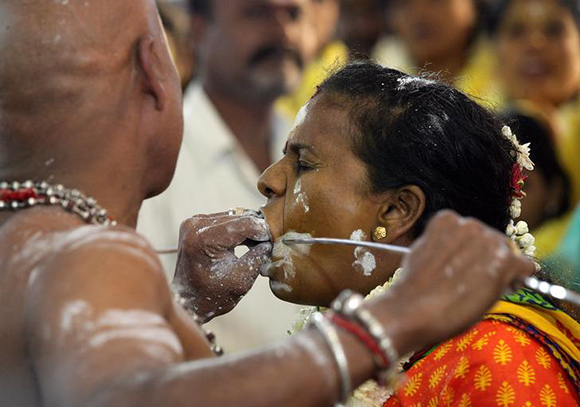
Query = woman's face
x=539 y=52
x=434 y=29
x=320 y=188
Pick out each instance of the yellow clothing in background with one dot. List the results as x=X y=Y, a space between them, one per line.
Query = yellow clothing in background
x=568 y=147
x=332 y=56
x=550 y=235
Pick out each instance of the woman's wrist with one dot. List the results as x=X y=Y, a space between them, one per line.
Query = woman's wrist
x=404 y=328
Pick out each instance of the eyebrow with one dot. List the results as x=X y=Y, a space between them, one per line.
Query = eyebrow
x=297 y=148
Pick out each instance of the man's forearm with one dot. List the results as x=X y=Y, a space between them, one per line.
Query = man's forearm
x=296 y=372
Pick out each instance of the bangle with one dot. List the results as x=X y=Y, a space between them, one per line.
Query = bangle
x=348 y=304
x=389 y=374
x=333 y=342
x=362 y=335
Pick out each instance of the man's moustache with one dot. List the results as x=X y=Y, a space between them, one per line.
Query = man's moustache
x=275 y=51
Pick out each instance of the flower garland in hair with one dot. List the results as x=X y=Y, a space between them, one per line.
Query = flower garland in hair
x=519 y=232
x=370 y=394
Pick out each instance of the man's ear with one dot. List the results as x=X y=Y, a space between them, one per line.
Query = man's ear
x=400 y=211
x=151 y=67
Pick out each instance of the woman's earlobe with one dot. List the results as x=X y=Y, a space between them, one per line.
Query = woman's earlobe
x=380 y=233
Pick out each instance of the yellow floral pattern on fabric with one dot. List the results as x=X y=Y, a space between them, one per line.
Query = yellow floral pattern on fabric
x=482 y=378
x=502 y=353
x=548 y=397
x=462 y=368
x=413 y=384
x=506 y=396
x=543 y=358
x=437 y=376
x=465 y=401
x=493 y=364
x=526 y=374
x=465 y=341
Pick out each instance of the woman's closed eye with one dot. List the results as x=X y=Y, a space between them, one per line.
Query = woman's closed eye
x=303 y=166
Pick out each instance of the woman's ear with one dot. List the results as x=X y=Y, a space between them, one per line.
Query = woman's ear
x=399 y=213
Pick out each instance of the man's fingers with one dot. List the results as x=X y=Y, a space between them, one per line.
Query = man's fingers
x=249 y=265
x=255 y=258
x=235 y=231
x=523 y=267
x=232 y=213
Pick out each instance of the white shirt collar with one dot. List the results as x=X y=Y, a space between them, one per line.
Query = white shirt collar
x=217 y=140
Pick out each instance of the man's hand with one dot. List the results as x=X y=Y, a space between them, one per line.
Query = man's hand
x=209 y=274
x=455 y=272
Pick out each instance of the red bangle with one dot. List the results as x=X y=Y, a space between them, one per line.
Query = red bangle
x=361 y=335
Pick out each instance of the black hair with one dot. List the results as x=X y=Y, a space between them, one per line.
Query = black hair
x=203 y=8
x=543 y=154
x=415 y=131
x=500 y=8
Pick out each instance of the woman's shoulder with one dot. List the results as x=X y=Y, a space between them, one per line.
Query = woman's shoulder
x=494 y=363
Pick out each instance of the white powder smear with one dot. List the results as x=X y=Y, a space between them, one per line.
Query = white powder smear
x=301 y=116
x=149 y=329
x=276 y=286
x=298 y=187
x=302 y=199
x=365 y=261
x=412 y=80
x=74 y=310
x=160 y=336
x=357 y=235
x=285 y=252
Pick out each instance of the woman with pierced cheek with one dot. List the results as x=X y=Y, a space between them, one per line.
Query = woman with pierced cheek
x=373 y=156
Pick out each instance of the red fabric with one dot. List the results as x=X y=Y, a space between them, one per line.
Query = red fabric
x=493 y=364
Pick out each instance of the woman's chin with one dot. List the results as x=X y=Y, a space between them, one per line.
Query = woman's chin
x=283 y=291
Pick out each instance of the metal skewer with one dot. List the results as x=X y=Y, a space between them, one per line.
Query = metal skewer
x=542 y=287
x=347 y=242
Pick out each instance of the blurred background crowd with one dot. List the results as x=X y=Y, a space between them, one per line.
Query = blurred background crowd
x=247 y=66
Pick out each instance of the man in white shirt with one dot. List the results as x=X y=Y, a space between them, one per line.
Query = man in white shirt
x=249 y=53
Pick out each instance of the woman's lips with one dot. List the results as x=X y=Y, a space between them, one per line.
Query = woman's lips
x=534 y=69
x=274 y=226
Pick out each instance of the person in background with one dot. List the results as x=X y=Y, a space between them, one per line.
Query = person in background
x=362 y=24
x=538 y=46
x=249 y=53
x=445 y=38
x=176 y=25
x=547 y=187
x=324 y=52
x=346 y=29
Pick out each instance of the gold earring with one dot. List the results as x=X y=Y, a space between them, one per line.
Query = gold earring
x=380 y=233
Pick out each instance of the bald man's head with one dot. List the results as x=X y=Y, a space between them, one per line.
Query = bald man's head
x=83 y=81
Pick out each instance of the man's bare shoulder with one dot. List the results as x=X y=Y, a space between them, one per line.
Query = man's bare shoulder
x=55 y=244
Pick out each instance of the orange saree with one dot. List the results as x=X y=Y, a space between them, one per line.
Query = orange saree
x=524 y=353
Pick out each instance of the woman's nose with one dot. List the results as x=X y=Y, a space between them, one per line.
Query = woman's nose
x=272 y=183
